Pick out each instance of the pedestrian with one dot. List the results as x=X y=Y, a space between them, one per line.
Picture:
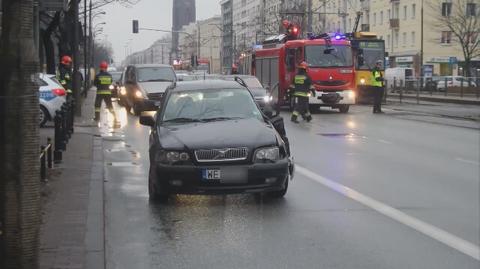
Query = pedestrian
x=103 y=80
x=378 y=88
x=64 y=74
x=302 y=85
x=234 y=69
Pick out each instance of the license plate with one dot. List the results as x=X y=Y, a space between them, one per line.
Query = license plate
x=211 y=174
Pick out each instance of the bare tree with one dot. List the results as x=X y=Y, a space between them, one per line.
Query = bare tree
x=20 y=182
x=462 y=19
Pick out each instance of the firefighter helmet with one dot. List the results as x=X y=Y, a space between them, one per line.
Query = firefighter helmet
x=103 y=65
x=66 y=60
x=303 y=65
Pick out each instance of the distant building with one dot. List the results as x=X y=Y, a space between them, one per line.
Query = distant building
x=157 y=53
x=227 y=37
x=183 y=14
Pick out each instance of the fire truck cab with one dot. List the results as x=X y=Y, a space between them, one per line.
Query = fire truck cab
x=331 y=68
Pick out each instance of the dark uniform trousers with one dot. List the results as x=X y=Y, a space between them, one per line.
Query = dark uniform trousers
x=103 y=81
x=378 y=93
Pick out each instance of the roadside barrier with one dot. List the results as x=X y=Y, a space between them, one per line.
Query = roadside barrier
x=64 y=128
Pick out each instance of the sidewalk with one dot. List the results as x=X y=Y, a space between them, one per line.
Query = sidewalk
x=71 y=234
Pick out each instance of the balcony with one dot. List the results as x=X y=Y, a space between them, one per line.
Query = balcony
x=394 y=23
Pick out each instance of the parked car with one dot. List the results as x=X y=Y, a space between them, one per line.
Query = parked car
x=209 y=137
x=116 y=76
x=400 y=77
x=260 y=94
x=453 y=81
x=145 y=85
x=52 y=96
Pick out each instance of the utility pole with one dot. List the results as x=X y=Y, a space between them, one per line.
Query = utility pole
x=421 y=40
x=76 y=61
x=86 y=78
x=309 y=16
x=92 y=51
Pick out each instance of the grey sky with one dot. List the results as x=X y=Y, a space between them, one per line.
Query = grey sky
x=151 y=14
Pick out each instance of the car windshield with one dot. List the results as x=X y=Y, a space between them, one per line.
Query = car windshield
x=252 y=82
x=116 y=76
x=150 y=74
x=372 y=52
x=210 y=104
x=324 y=56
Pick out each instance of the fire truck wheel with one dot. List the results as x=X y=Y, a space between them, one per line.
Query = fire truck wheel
x=344 y=108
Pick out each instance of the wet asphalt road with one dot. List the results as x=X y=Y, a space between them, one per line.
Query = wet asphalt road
x=406 y=163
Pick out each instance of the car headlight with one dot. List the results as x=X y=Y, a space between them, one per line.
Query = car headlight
x=351 y=94
x=172 y=157
x=123 y=91
x=362 y=81
x=267 y=154
x=267 y=98
x=111 y=87
x=138 y=94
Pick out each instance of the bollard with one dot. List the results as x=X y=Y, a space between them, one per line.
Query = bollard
x=72 y=116
x=49 y=153
x=418 y=91
x=461 y=88
x=394 y=84
x=446 y=86
x=57 y=153
x=43 y=168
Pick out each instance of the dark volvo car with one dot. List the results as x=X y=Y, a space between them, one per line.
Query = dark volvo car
x=210 y=137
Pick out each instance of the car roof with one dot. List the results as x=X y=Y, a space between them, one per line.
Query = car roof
x=206 y=84
x=152 y=65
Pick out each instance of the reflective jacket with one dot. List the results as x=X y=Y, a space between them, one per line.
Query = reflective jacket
x=64 y=76
x=377 y=78
x=103 y=80
x=302 y=84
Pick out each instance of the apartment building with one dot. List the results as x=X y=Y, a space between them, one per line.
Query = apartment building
x=247 y=18
x=227 y=51
x=399 y=22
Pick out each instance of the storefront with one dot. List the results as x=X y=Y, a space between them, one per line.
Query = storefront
x=444 y=65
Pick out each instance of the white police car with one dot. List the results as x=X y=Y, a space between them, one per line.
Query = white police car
x=52 y=96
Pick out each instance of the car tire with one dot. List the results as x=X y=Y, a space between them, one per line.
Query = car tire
x=44 y=116
x=153 y=193
x=344 y=108
x=280 y=193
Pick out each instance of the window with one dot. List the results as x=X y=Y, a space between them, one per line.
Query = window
x=396 y=37
x=413 y=39
x=381 y=17
x=374 y=18
x=404 y=12
x=404 y=39
x=388 y=41
x=389 y=15
x=414 y=7
x=471 y=9
x=446 y=9
x=446 y=37
x=472 y=37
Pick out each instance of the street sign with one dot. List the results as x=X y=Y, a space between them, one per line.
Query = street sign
x=135 y=26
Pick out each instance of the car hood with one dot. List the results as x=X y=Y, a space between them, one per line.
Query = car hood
x=154 y=87
x=250 y=133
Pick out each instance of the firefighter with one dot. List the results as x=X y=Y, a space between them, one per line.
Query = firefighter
x=103 y=80
x=302 y=85
x=64 y=75
x=378 y=89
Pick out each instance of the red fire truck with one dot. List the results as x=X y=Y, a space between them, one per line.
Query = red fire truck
x=330 y=61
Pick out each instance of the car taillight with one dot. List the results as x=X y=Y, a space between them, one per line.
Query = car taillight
x=59 y=92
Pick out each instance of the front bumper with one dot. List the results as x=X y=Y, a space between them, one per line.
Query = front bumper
x=244 y=178
x=346 y=97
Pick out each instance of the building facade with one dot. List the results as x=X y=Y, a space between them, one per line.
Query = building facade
x=202 y=39
x=183 y=13
x=157 y=53
x=399 y=22
x=227 y=35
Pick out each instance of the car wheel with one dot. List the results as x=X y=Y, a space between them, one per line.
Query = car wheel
x=153 y=192
x=280 y=193
x=43 y=117
x=344 y=108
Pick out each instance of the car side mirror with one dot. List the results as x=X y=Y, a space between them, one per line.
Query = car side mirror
x=147 y=120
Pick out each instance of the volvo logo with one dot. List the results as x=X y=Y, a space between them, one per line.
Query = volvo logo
x=221 y=154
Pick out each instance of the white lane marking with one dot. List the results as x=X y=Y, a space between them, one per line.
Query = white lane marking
x=384 y=142
x=466 y=161
x=438 y=234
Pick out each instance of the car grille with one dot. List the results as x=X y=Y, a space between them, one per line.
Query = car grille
x=155 y=96
x=330 y=82
x=221 y=155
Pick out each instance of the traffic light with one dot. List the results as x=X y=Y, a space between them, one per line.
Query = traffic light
x=135 y=26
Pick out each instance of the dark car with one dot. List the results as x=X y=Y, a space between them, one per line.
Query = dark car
x=209 y=137
x=145 y=85
x=259 y=92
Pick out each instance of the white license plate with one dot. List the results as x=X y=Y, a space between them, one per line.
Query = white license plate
x=211 y=174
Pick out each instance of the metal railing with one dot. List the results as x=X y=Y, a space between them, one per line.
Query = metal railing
x=456 y=87
x=64 y=127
